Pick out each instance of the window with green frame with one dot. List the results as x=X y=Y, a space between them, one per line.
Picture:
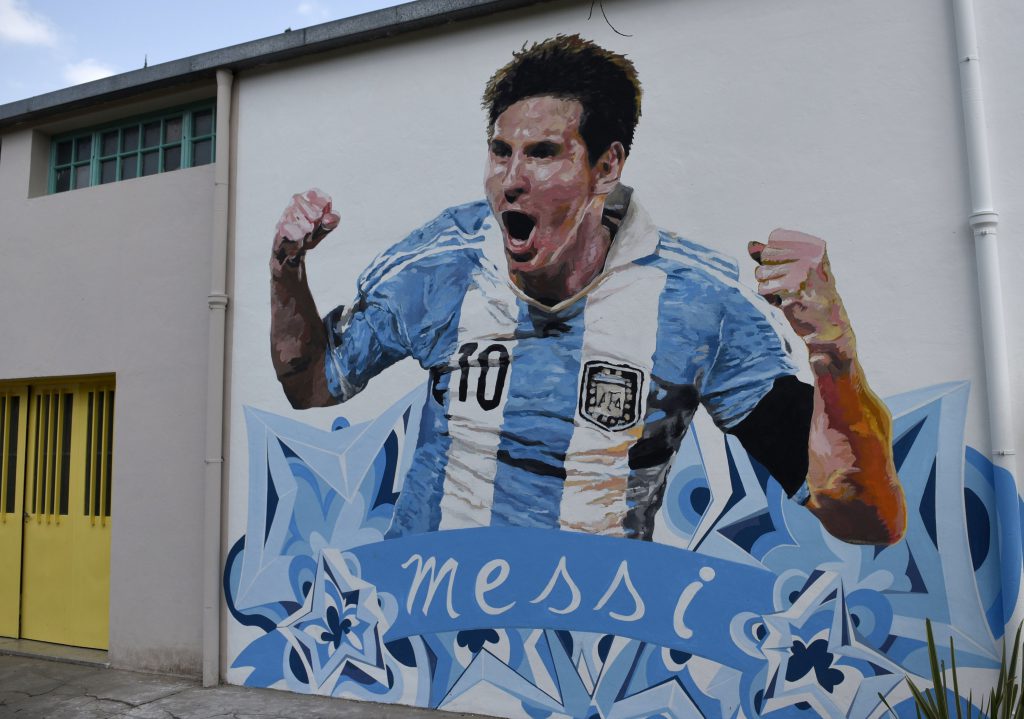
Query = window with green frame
x=174 y=139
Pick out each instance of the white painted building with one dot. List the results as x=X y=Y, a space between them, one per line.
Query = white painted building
x=844 y=120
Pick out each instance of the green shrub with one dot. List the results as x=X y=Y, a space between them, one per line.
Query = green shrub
x=1004 y=701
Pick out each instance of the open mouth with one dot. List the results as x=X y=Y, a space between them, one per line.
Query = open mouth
x=518 y=225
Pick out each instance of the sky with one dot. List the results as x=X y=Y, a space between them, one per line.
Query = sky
x=46 y=45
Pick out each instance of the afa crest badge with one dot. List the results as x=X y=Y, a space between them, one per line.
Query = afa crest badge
x=610 y=394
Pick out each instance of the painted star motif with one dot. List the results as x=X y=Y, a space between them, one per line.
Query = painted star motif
x=815 y=659
x=340 y=623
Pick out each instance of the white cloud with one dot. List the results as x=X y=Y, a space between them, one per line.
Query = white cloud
x=18 y=24
x=86 y=70
x=312 y=9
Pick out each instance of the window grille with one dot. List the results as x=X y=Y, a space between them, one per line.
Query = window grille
x=99 y=436
x=148 y=145
x=10 y=417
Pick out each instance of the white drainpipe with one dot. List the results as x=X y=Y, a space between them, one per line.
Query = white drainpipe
x=984 y=222
x=218 y=302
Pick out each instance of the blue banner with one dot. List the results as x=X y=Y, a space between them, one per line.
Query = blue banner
x=473 y=578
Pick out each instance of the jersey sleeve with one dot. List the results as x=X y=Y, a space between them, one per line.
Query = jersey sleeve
x=362 y=341
x=750 y=356
x=407 y=302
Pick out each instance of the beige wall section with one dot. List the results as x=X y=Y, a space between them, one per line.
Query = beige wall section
x=114 y=279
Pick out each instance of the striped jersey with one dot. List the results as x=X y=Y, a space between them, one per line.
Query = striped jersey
x=561 y=417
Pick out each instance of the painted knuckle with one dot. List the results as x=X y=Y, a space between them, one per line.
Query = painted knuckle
x=799 y=242
x=799 y=277
x=298 y=230
x=311 y=214
x=315 y=193
x=289 y=235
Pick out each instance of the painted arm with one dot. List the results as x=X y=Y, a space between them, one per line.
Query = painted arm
x=854 y=490
x=298 y=341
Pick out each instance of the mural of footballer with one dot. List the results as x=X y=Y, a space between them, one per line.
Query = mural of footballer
x=569 y=340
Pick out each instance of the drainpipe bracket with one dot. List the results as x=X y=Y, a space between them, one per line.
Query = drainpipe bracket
x=984 y=221
x=217 y=301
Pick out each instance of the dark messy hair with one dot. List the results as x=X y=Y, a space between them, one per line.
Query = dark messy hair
x=571 y=68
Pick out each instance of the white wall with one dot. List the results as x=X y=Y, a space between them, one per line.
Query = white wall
x=842 y=120
x=113 y=279
x=839 y=119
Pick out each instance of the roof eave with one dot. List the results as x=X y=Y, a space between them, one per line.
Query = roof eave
x=288 y=45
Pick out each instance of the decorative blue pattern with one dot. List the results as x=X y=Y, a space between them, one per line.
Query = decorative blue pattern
x=321 y=605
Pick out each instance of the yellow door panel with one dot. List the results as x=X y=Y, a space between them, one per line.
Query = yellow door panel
x=91 y=570
x=48 y=528
x=13 y=420
x=66 y=555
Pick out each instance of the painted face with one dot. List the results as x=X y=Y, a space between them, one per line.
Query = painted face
x=540 y=185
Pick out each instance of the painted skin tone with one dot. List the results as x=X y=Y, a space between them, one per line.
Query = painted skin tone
x=855 y=491
x=549 y=199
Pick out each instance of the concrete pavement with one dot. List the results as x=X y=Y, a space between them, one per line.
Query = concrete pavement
x=32 y=688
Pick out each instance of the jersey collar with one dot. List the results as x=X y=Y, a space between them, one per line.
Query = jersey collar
x=635 y=237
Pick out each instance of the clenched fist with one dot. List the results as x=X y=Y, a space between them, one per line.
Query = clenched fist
x=793 y=274
x=306 y=220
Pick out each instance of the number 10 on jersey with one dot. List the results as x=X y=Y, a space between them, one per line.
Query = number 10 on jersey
x=480 y=377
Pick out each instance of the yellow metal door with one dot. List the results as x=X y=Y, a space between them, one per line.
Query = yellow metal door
x=66 y=553
x=13 y=411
